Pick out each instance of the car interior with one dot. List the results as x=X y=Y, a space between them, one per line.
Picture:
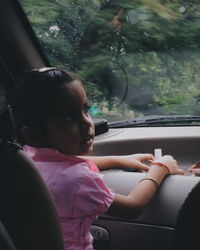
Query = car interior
x=154 y=229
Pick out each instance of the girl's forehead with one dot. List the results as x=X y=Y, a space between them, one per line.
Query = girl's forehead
x=73 y=93
x=75 y=89
x=71 y=97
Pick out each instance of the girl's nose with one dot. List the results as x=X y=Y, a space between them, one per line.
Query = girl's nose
x=86 y=121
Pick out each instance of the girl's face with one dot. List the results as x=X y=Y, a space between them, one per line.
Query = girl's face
x=71 y=130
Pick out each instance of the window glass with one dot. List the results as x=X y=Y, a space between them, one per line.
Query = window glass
x=136 y=58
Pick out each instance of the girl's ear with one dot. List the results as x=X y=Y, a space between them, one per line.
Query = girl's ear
x=31 y=136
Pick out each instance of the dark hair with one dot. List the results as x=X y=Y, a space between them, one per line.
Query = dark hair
x=35 y=97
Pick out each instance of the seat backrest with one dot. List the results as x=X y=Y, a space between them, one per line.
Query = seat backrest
x=187 y=229
x=27 y=210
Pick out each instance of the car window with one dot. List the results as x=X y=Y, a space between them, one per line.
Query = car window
x=136 y=58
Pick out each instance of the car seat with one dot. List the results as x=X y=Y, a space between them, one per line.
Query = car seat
x=27 y=210
x=186 y=234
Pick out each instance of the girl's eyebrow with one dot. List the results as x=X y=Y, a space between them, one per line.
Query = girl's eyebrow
x=65 y=110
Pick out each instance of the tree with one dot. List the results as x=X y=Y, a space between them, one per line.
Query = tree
x=144 y=53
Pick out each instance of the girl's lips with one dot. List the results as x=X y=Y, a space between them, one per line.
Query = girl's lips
x=88 y=141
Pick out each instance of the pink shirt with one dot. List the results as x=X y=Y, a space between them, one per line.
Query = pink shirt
x=79 y=192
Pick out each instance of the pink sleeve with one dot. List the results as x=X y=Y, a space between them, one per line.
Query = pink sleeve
x=92 y=166
x=94 y=197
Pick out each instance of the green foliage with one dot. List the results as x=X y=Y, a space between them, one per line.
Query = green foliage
x=144 y=53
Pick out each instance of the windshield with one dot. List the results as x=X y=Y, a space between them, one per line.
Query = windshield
x=136 y=58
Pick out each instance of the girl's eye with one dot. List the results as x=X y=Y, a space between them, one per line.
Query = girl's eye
x=87 y=109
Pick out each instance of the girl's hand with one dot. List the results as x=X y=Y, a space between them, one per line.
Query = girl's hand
x=195 y=166
x=136 y=161
x=170 y=163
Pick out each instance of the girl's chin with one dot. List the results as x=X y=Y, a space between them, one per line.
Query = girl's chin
x=86 y=150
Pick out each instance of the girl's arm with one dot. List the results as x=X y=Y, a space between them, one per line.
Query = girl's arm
x=134 y=203
x=122 y=161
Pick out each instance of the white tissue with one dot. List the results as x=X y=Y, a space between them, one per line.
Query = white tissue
x=157 y=153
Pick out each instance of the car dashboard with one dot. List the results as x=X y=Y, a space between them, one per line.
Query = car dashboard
x=154 y=228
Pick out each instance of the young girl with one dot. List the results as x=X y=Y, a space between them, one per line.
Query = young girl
x=51 y=112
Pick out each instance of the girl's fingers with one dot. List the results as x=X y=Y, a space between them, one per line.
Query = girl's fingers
x=143 y=157
x=190 y=168
x=141 y=166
